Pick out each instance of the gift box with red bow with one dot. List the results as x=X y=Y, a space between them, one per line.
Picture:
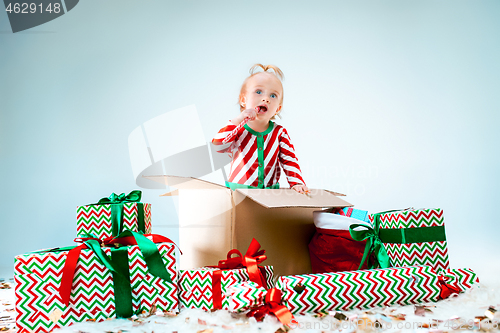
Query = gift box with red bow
x=112 y=215
x=208 y=288
x=365 y=289
x=92 y=281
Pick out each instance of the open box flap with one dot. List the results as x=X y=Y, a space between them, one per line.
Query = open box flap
x=182 y=183
x=288 y=198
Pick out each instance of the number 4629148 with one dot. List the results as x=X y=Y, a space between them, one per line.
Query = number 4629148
x=31 y=8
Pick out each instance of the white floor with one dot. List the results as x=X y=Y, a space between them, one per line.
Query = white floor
x=448 y=315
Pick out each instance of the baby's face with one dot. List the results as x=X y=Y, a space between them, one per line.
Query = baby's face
x=263 y=90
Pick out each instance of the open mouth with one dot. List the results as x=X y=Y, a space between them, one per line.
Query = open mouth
x=262 y=108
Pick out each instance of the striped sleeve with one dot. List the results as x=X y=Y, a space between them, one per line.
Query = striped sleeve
x=289 y=161
x=228 y=130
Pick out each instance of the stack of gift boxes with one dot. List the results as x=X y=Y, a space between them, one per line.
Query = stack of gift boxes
x=120 y=269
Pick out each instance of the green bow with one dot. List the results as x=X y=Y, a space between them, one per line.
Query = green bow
x=116 y=203
x=373 y=243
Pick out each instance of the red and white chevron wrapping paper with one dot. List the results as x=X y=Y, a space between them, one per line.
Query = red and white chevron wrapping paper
x=434 y=254
x=365 y=288
x=96 y=219
x=38 y=276
x=195 y=287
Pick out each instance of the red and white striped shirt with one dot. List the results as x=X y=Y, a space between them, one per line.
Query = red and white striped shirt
x=257 y=156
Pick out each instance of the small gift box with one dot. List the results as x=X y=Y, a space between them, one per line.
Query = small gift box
x=208 y=288
x=261 y=302
x=363 y=289
x=62 y=286
x=113 y=215
x=413 y=237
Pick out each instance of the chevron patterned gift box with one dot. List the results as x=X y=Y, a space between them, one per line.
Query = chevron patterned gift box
x=414 y=237
x=38 y=276
x=359 y=289
x=113 y=216
x=195 y=286
x=463 y=278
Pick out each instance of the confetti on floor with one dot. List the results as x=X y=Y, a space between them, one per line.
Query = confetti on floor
x=476 y=310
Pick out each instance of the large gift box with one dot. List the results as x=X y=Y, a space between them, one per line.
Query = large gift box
x=214 y=219
x=413 y=237
x=113 y=215
x=55 y=290
x=197 y=287
x=370 y=288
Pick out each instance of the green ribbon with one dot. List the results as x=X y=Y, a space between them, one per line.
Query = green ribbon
x=234 y=186
x=413 y=235
x=373 y=245
x=116 y=203
x=118 y=264
x=121 y=283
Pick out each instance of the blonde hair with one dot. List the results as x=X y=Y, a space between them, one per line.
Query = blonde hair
x=265 y=69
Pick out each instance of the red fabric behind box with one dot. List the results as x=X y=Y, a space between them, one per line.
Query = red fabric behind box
x=335 y=251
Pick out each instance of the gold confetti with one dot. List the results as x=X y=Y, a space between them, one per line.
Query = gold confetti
x=208 y=330
x=340 y=316
x=320 y=314
x=55 y=315
x=490 y=313
x=419 y=311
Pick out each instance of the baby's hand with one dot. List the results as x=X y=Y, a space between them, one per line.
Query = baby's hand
x=249 y=113
x=301 y=188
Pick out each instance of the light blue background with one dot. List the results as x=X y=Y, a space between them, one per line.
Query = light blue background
x=394 y=103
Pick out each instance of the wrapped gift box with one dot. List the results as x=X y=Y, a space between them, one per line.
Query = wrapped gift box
x=97 y=219
x=38 y=276
x=359 y=289
x=414 y=237
x=463 y=278
x=196 y=286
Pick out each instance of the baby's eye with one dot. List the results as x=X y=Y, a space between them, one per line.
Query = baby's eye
x=273 y=96
x=259 y=92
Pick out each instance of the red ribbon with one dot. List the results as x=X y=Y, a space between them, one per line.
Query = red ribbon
x=272 y=305
x=447 y=289
x=253 y=257
x=69 y=268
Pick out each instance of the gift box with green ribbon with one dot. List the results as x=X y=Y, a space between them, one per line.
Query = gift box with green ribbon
x=208 y=288
x=364 y=289
x=405 y=238
x=112 y=215
x=130 y=274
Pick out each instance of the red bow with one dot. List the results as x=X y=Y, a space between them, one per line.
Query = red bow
x=272 y=305
x=447 y=289
x=253 y=257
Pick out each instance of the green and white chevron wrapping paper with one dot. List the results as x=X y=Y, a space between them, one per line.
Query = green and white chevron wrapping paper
x=96 y=219
x=38 y=276
x=361 y=289
x=243 y=296
x=195 y=286
x=434 y=254
x=463 y=278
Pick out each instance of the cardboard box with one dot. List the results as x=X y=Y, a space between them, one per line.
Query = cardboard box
x=213 y=220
